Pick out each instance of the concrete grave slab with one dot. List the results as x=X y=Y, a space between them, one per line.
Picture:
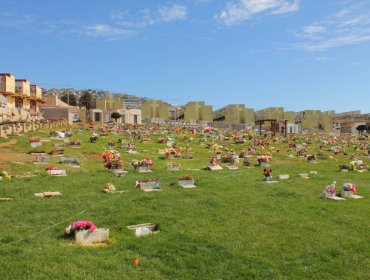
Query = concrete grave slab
x=99 y=235
x=47 y=194
x=284 y=177
x=144 y=229
x=215 y=167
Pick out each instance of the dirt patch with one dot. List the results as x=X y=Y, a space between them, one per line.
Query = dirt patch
x=94 y=157
x=7 y=144
x=7 y=157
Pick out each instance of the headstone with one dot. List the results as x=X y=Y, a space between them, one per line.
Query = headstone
x=214 y=167
x=99 y=235
x=58 y=172
x=150 y=186
x=186 y=184
x=42 y=159
x=70 y=160
x=144 y=229
x=144 y=169
x=173 y=166
x=118 y=172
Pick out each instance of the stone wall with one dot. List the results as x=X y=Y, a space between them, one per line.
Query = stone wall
x=21 y=128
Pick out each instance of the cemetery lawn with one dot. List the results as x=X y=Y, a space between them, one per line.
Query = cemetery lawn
x=232 y=226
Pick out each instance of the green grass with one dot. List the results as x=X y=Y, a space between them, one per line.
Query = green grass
x=233 y=226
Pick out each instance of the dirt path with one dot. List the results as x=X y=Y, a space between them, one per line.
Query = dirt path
x=7 y=156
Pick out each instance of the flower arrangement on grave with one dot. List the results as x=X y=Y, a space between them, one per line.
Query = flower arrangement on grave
x=246 y=162
x=75 y=142
x=131 y=147
x=311 y=158
x=300 y=152
x=141 y=163
x=5 y=175
x=267 y=173
x=336 y=150
x=357 y=165
x=79 y=225
x=228 y=159
x=173 y=165
x=161 y=140
x=239 y=141
x=344 y=166
x=34 y=140
x=114 y=163
x=173 y=153
x=262 y=159
x=104 y=134
x=111 y=143
x=146 y=162
x=187 y=156
x=52 y=168
x=144 y=139
x=350 y=187
x=110 y=154
x=112 y=159
x=214 y=161
x=330 y=190
x=94 y=139
x=187 y=177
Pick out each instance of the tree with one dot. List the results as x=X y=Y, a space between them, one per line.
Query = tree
x=88 y=101
x=361 y=128
x=115 y=115
x=69 y=98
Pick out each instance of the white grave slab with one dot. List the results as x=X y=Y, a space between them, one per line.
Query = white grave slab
x=47 y=194
x=99 y=235
x=57 y=172
x=214 y=168
x=284 y=177
x=187 y=184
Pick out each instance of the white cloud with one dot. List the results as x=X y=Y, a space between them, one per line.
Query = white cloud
x=314 y=30
x=104 y=31
x=349 y=26
x=175 y=12
x=146 y=17
x=245 y=9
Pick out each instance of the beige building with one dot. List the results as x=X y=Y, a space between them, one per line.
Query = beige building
x=154 y=110
x=289 y=116
x=270 y=113
x=36 y=100
x=249 y=116
x=314 y=120
x=235 y=113
x=110 y=102
x=348 y=122
x=113 y=103
x=195 y=112
x=16 y=99
x=56 y=109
